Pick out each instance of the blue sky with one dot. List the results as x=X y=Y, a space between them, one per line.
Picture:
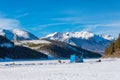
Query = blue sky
x=42 y=17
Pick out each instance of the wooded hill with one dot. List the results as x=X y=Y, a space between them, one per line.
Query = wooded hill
x=114 y=49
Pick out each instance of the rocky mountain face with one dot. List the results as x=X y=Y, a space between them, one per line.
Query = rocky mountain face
x=17 y=34
x=83 y=39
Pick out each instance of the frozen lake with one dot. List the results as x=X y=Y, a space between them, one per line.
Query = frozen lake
x=108 y=69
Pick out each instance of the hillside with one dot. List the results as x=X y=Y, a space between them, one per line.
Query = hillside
x=9 y=50
x=4 y=45
x=114 y=49
x=4 y=42
x=39 y=49
x=57 y=49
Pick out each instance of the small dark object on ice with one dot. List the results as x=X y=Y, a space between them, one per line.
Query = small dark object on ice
x=59 y=61
x=99 y=60
x=63 y=62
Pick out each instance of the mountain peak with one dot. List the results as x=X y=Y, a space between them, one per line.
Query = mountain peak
x=108 y=37
x=82 y=34
x=53 y=34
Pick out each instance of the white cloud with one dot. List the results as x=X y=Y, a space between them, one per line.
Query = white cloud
x=107 y=25
x=68 y=19
x=21 y=15
x=52 y=24
x=110 y=27
x=41 y=27
x=6 y=23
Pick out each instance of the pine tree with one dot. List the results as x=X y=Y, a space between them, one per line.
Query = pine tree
x=111 y=48
x=119 y=42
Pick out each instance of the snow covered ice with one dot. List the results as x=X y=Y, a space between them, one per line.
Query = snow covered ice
x=108 y=69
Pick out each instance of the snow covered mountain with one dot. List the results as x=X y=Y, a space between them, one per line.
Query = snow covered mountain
x=84 y=39
x=17 y=34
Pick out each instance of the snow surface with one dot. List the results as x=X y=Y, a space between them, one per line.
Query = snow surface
x=108 y=69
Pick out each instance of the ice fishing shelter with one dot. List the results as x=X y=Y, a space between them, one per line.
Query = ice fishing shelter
x=76 y=59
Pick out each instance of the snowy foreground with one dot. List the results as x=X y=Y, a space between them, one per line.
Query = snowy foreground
x=108 y=69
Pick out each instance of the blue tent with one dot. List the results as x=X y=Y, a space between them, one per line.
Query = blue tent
x=76 y=59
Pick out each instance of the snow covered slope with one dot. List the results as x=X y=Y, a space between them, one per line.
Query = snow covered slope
x=17 y=34
x=108 y=69
x=84 y=39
